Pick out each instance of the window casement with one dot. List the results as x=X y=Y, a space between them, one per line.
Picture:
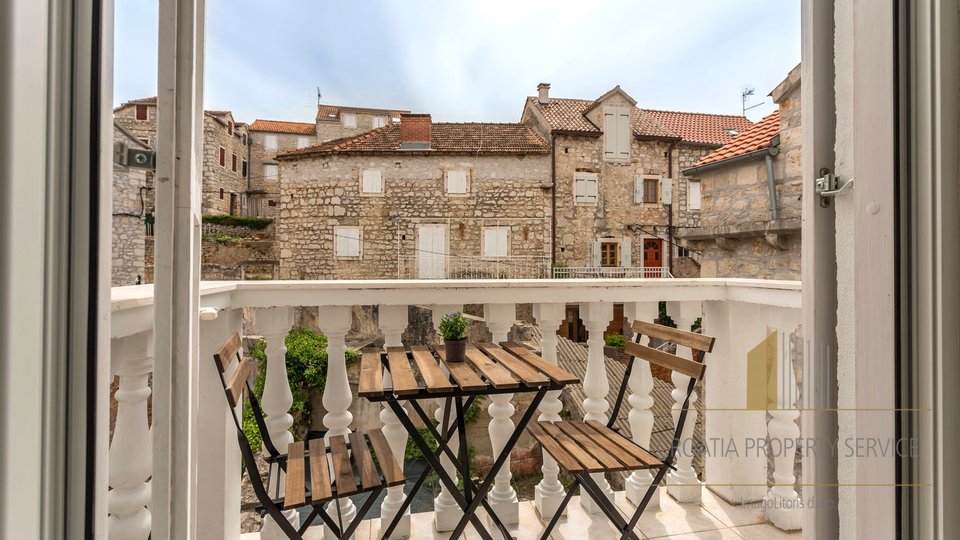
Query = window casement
x=243 y=168
x=609 y=254
x=141 y=113
x=646 y=190
x=303 y=142
x=371 y=181
x=616 y=133
x=585 y=188
x=270 y=171
x=270 y=142
x=456 y=181
x=350 y=120
x=233 y=163
x=230 y=128
x=223 y=157
x=693 y=195
x=496 y=242
x=348 y=242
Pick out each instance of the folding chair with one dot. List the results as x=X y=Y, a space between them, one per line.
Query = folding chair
x=309 y=481
x=585 y=448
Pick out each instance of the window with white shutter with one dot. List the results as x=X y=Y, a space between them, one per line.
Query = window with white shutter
x=350 y=120
x=616 y=132
x=379 y=122
x=457 y=181
x=270 y=171
x=585 y=188
x=303 y=142
x=638 y=190
x=693 y=195
x=270 y=142
x=371 y=181
x=348 y=242
x=496 y=241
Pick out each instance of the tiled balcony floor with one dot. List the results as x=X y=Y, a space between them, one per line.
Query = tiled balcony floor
x=713 y=519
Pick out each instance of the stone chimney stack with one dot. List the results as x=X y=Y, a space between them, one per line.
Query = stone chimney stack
x=415 y=130
x=543 y=93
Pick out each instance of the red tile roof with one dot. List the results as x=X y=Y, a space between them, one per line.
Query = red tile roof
x=756 y=138
x=331 y=113
x=472 y=138
x=279 y=126
x=565 y=114
x=702 y=128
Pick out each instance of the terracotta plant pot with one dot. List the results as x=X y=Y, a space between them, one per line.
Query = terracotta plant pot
x=456 y=350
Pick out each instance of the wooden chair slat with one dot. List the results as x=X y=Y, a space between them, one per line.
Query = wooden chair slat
x=238 y=381
x=401 y=374
x=675 y=335
x=228 y=352
x=319 y=474
x=369 y=477
x=552 y=447
x=570 y=445
x=392 y=471
x=607 y=462
x=371 y=375
x=555 y=373
x=434 y=377
x=342 y=468
x=295 y=491
x=629 y=460
x=521 y=370
x=497 y=375
x=665 y=359
x=463 y=374
x=648 y=460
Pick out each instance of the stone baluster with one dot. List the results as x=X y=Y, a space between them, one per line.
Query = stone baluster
x=641 y=403
x=274 y=325
x=503 y=498
x=447 y=512
x=131 y=459
x=596 y=317
x=549 y=493
x=335 y=322
x=393 y=321
x=683 y=483
x=782 y=506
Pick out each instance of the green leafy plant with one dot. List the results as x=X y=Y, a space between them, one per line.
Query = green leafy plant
x=616 y=340
x=306 y=361
x=697 y=324
x=453 y=326
x=663 y=318
x=255 y=223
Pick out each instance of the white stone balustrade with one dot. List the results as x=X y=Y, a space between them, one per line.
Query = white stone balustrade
x=683 y=483
x=640 y=404
x=503 y=498
x=596 y=316
x=393 y=321
x=131 y=458
x=447 y=511
x=739 y=313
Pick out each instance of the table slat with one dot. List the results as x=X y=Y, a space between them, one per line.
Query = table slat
x=552 y=447
x=401 y=374
x=294 y=493
x=556 y=373
x=371 y=375
x=462 y=373
x=523 y=371
x=392 y=471
x=342 y=468
x=319 y=474
x=497 y=375
x=434 y=377
x=369 y=476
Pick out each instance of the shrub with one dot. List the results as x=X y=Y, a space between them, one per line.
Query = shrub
x=453 y=327
x=616 y=340
x=306 y=361
x=255 y=223
x=663 y=318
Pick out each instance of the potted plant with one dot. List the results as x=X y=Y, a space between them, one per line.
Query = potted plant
x=614 y=346
x=453 y=328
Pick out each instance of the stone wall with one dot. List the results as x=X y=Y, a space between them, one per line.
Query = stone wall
x=323 y=192
x=238 y=259
x=335 y=129
x=129 y=230
x=265 y=193
x=224 y=187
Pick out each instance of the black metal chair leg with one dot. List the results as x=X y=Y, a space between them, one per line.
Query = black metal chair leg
x=654 y=485
x=361 y=513
x=608 y=508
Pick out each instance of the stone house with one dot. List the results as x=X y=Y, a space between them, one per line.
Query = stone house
x=129 y=212
x=338 y=121
x=225 y=154
x=417 y=199
x=750 y=224
x=267 y=139
x=619 y=195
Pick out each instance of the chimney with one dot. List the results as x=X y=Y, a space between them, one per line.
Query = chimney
x=415 y=130
x=543 y=93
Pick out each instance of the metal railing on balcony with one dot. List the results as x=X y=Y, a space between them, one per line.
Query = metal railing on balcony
x=434 y=266
x=609 y=272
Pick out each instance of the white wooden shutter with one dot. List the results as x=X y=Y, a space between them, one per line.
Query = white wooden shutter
x=270 y=142
x=372 y=182
x=270 y=171
x=585 y=188
x=610 y=133
x=638 y=190
x=348 y=241
x=595 y=254
x=456 y=181
x=626 y=253
x=693 y=194
x=303 y=142
x=623 y=133
x=495 y=241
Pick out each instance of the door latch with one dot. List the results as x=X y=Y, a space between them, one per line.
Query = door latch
x=134 y=158
x=828 y=186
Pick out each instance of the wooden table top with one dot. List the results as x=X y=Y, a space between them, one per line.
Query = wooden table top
x=418 y=372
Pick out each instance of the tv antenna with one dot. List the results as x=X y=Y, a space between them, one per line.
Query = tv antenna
x=747 y=92
x=319 y=96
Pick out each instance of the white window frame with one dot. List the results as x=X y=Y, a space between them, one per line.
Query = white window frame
x=699 y=199
x=303 y=142
x=341 y=236
x=466 y=182
x=617 y=134
x=378 y=122
x=586 y=177
x=643 y=192
x=499 y=229
x=274 y=167
x=363 y=183
x=349 y=120
x=270 y=141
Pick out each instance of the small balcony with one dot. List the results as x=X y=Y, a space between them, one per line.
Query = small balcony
x=727 y=483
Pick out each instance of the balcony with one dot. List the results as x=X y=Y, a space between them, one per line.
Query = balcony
x=714 y=493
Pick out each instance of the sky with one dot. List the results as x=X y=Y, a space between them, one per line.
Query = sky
x=472 y=61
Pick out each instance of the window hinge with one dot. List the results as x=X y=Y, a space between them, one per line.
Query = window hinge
x=828 y=186
x=134 y=158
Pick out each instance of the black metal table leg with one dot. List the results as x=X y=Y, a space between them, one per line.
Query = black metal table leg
x=464 y=453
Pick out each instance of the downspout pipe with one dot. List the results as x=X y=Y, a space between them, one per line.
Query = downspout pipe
x=673 y=145
x=553 y=202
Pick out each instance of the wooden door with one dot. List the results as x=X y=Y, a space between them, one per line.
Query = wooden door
x=571 y=327
x=652 y=256
x=431 y=251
